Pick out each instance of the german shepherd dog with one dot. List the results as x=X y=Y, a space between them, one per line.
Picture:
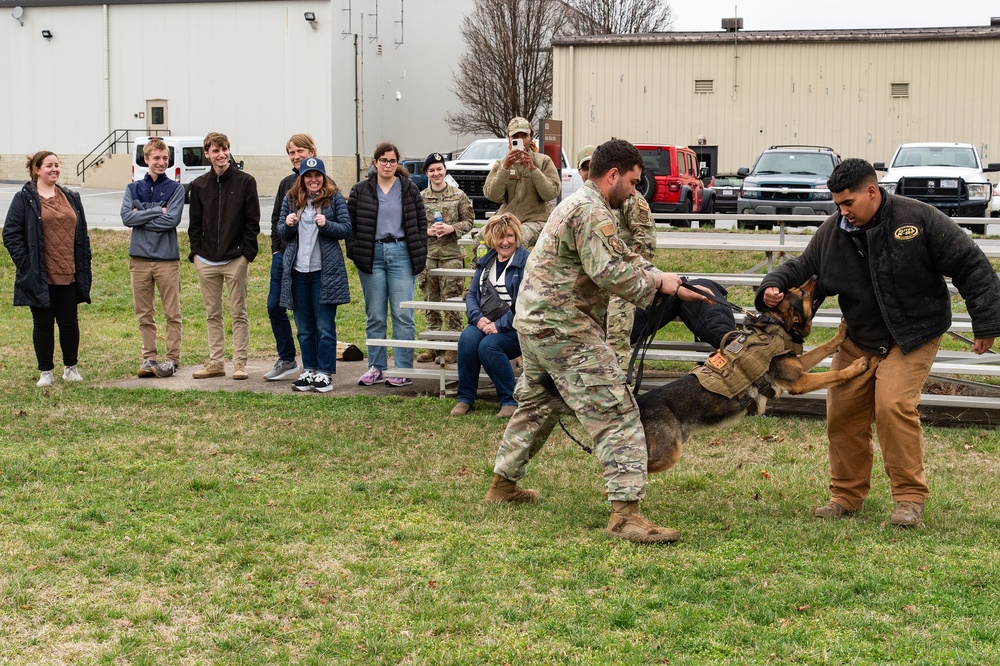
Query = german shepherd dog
x=673 y=412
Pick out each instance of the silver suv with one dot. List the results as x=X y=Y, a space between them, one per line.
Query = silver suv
x=788 y=180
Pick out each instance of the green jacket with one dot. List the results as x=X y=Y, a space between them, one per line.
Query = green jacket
x=524 y=192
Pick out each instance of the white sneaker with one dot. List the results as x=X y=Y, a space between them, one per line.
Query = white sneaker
x=71 y=374
x=45 y=378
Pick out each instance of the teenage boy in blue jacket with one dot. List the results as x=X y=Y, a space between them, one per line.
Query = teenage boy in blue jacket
x=152 y=208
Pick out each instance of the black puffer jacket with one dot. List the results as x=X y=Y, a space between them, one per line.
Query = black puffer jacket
x=363 y=208
x=890 y=280
x=22 y=235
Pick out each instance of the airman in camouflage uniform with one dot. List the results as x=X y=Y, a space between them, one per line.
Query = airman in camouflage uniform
x=443 y=250
x=637 y=231
x=524 y=182
x=568 y=368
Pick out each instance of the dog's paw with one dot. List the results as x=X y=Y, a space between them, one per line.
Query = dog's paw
x=841 y=332
x=860 y=365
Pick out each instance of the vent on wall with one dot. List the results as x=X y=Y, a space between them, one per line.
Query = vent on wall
x=899 y=90
x=704 y=85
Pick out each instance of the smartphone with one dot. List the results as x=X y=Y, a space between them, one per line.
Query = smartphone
x=517 y=144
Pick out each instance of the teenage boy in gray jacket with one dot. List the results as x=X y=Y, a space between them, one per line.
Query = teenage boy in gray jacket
x=152 y=208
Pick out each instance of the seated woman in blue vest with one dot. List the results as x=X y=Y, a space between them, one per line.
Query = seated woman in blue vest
x=490 y=341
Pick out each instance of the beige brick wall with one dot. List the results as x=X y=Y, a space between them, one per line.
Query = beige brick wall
x=268 y=170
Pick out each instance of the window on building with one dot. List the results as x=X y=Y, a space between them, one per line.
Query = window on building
x=156 y=115
x=704 y=85
x=899 y=90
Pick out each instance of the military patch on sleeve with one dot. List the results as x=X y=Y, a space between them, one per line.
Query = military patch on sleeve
x=617 y=244
x=716 y=360
x=608 y=229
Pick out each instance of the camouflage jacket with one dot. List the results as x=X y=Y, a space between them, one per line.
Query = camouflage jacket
x=456 y=210
x=522 y=191
x=577 y=263
x=636 y=228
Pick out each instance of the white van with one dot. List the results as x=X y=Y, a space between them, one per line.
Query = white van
x=187 y=160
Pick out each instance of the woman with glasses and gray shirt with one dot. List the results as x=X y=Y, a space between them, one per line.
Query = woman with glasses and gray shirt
x=389 y=247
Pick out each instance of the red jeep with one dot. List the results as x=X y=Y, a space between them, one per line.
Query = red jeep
x=671 y=182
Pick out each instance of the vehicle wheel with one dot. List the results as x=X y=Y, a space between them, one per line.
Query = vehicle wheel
x=685 y=209
x=647 y=185
x=708 y=210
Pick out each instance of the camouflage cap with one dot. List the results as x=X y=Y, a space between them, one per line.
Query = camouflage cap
x=518 y=124
x=584 y=155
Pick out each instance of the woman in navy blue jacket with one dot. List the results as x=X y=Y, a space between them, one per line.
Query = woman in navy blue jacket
x=313 y=220
x=491 y=342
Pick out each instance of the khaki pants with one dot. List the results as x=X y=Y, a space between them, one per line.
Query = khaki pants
x=164 y=276
x=211 y=280
x=888 y=396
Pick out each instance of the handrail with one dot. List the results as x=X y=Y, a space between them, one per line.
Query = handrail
x=109 y=146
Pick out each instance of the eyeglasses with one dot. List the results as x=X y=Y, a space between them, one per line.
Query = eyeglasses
x=387 y=162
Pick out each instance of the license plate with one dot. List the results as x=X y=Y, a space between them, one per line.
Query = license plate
x=727 y=193
x=949 y=182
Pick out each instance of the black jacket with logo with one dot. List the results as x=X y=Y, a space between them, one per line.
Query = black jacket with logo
x=225 y=216
x=890 y=279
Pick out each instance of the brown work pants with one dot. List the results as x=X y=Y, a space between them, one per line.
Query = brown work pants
x=889 y=396
x=146 y=276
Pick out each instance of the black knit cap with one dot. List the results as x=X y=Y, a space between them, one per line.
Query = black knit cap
x=433 y=158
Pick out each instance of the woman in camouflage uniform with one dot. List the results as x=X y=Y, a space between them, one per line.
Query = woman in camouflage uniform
x=443 y=251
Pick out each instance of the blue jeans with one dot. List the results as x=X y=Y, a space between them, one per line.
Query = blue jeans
x=280 y=327
x=494 y=353
x=390 y=283
x=316 y=322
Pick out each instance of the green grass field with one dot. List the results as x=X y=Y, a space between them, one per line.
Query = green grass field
x=161 y=527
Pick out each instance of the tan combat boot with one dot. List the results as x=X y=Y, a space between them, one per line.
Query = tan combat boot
x=211 y=369
x=450 y=358
x=427 y=356
x=504 y=490
x=627 y=523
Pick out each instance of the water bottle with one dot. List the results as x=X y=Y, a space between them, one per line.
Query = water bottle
x=437 y=217
x=481 y=249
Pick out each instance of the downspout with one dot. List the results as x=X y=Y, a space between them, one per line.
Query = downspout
x=357 y=115
x=107 y=70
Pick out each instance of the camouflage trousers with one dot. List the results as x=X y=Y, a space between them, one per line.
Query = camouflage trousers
x=589 y=384
x=441 y=289
x=530 y=231
x=618 y=325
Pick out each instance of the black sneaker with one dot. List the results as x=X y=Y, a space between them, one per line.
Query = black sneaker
x=304 y=382
x=321 y=382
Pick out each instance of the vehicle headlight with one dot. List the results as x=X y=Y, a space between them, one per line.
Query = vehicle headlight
x=978 y=191
x=889 y=187
x=822 y=194
x=750 y=193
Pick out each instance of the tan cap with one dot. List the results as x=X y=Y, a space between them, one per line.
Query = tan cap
x=518 y=124
x=584 y=155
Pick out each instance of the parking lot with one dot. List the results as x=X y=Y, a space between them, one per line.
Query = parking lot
x=102 y=207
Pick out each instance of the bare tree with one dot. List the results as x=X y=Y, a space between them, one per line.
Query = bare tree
x=617 y=17
x=507 y=69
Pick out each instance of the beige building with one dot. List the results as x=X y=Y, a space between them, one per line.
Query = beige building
x=862 y=92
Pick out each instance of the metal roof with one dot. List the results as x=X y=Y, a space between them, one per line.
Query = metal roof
x=775 y=36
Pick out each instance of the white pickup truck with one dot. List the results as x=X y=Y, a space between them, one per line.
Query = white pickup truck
x=948 y=176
